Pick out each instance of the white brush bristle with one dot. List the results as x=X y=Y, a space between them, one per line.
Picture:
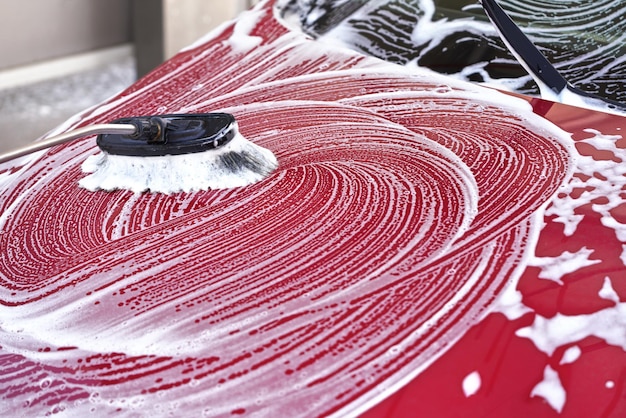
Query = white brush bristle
x=236 y=164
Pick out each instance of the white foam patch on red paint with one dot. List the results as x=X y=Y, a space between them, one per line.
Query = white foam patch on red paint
x=595 y=187
x=602 y=181
x=510 y=304
x=241 y=41
x=608 y=292
x=554 y=268
x=471 y=384
x=548 y=334
x=300 y=289
x=571 y=355
x=551 y=389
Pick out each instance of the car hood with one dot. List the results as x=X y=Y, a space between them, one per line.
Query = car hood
x=423 y=241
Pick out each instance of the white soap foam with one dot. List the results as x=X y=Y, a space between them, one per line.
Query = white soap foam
x=607 y=291
x=554 y=268
x=472 y=93
x=242 y=42
x=510 y=303
x=551 y=389
x=471 y=384
x=548 y=334
x=571 y=355
x=430 y=33
x=563 y=208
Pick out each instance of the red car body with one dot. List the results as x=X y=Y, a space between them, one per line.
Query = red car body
x=426 y=247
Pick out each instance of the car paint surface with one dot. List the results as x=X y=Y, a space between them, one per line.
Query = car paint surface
x=426 y=247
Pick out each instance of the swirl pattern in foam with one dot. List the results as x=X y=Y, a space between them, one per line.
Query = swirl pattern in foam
x=402 y=205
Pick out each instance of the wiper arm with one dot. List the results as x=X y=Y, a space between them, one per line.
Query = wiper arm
x=551 y=83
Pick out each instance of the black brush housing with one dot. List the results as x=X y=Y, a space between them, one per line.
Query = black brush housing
x=172 y=134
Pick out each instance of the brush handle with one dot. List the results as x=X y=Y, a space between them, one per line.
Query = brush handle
x=123 y=129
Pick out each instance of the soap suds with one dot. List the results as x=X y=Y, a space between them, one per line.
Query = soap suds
x=163 y=283
x=571 y=355
x=550 y=333
x=551 y=389
x=471 y=384
x=241 y=41
x=411 y=33
x=554 y=268
x=510 y=303
x=607 y=291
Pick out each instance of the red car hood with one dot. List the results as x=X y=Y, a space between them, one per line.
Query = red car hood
x=426 y=247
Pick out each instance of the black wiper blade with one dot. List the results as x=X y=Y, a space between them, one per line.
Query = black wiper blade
x=538 y=66
x=525 y=51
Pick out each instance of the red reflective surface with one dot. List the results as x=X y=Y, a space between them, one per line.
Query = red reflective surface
x=510 y=366
x=367 y=275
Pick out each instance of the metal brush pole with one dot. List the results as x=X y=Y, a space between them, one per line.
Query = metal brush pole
x=122 y=129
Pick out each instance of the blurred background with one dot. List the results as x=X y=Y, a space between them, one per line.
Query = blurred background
x=59 y=57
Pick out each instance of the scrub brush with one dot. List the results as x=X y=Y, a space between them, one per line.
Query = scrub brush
x=168 y=154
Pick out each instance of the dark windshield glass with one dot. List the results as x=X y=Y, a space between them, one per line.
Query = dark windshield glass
x=585 y=40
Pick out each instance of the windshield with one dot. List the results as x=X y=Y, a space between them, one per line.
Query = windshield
x=584 y=40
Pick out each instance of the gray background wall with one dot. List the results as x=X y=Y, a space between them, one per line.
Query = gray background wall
x=59 y=57
x=37 y=30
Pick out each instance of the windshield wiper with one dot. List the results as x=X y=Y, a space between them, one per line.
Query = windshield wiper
x=552 y=84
